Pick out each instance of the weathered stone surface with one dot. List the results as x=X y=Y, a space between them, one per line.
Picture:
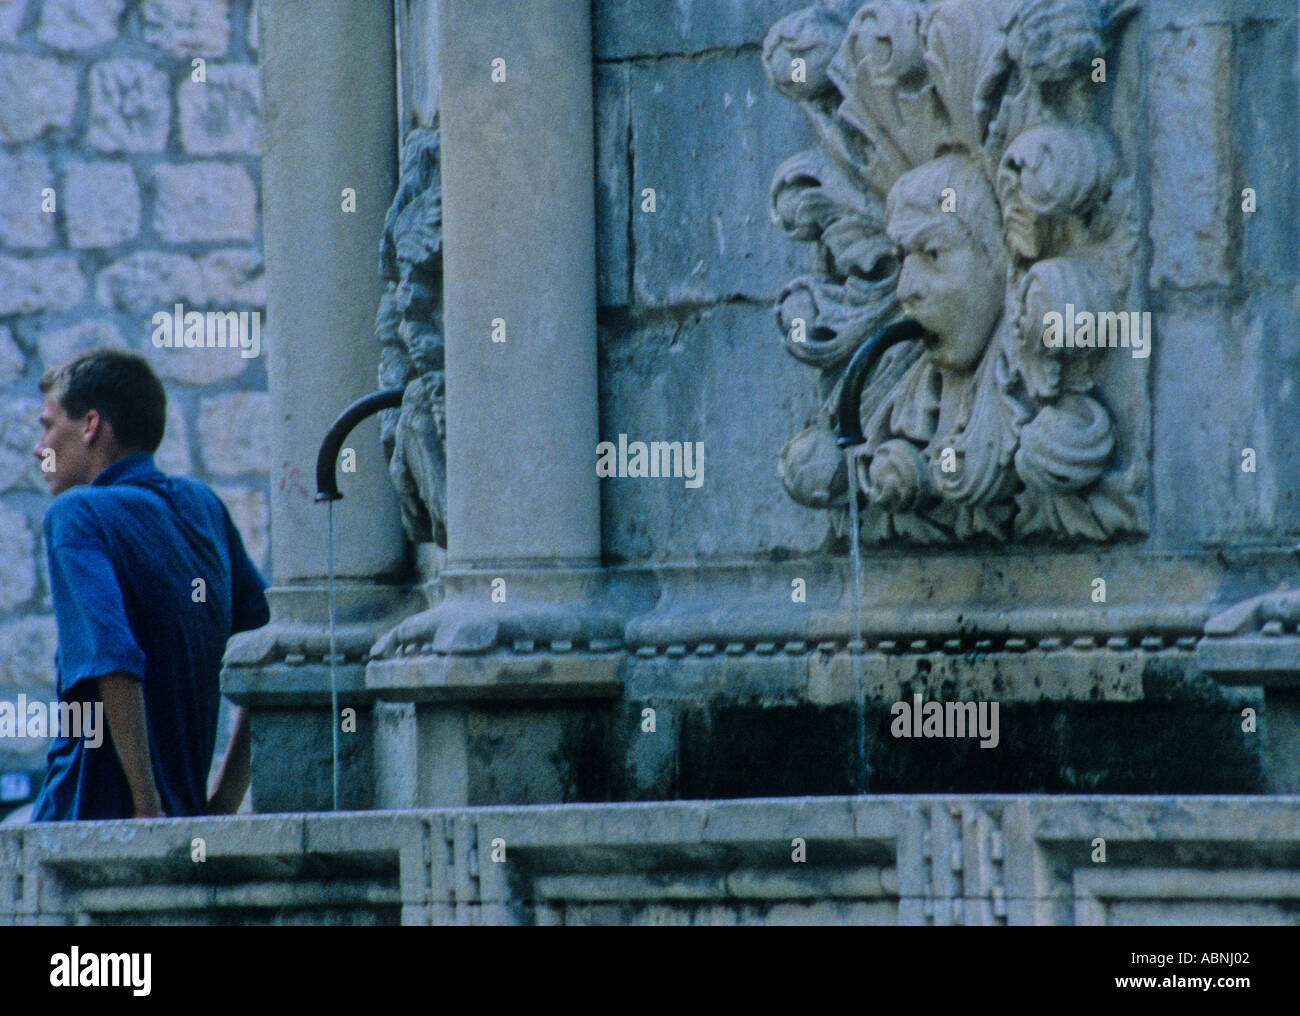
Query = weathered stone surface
x=28 y=659
x=19 y=431
x=1267 y=113
x=187 y=27
x=48 y=283
x=12 y=360
x=411 y=339
x=149 y=281
x=61 y=344
x=613 y=198
x=17 y=559
x=1225 y=475
x=23 y=223
x=173 y=455
x=205 y=201
x=701 y=243
x=1192 y=202
x=250 y=511
x=39 y=92
x=222 y=114
x=11 y=18
x=130 y=110
x=234 y=276
x=74 y=25
x=233 y=431
x=632 y=28
x=686 y=381
x=196 y=366
x=101 y=204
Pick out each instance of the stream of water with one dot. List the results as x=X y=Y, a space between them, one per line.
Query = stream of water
x=858 y=645
x=334 y=688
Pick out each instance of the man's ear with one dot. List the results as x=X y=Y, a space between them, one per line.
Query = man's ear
x=92 y=425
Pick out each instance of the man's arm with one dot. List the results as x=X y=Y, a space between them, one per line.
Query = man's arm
x=232 y=781
x=250 y=611
x=123 y=698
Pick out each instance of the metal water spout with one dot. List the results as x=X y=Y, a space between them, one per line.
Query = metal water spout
x=327 y=490
x=855 y=378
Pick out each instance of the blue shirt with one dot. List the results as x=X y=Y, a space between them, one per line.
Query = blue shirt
x=124 y=555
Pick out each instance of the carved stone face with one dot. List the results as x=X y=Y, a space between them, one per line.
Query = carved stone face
x=948 y=285
x=944 y=218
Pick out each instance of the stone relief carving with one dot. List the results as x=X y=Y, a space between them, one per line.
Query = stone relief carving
x=409 y=328
x=962 y=180
x=1269 y=614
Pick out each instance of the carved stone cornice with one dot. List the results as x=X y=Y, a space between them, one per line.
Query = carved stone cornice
x=1255 y=642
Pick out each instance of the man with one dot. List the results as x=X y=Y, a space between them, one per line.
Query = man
x=149 y=578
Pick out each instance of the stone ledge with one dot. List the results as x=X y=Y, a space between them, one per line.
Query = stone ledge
x=496 y=676
x=927 y=859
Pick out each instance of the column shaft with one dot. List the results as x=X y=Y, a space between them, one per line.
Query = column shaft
x=519 y=259
x=329 y=120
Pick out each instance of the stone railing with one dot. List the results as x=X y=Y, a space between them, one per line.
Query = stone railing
x=844 y=860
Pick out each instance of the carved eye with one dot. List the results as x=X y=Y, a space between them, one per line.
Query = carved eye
x=884 y=268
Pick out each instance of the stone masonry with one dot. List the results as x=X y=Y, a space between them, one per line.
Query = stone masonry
x=130 y=142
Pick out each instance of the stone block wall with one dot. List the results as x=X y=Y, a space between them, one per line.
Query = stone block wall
x=1202 y=93
x=738 y=617
x=130 y=134
x=1201 y=98
x=689 y=133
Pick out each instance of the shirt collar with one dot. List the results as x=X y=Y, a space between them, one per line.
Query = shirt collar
x=126 y=468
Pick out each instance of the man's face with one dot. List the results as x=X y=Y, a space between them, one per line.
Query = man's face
x=64 y=446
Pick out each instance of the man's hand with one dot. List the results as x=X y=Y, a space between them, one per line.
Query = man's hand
x=123 y=698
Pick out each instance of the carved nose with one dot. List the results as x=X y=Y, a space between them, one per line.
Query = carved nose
x=907 y=290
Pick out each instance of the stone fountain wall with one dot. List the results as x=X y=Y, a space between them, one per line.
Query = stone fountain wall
x=697 y=635
x=1085 y=634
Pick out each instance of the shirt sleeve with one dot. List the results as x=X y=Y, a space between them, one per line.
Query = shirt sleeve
x=95 y=636
x=247 y=587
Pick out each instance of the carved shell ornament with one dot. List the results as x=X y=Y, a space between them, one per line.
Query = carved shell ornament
x=963 y=183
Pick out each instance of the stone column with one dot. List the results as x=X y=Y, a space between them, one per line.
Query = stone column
x=328 y=171
x=519 y=243
x=525 y=618
x=329 y=124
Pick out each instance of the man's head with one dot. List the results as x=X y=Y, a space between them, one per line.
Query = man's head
x=99 y=407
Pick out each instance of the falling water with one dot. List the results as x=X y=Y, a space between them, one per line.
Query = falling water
x=334 y=688
x=851 y=455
